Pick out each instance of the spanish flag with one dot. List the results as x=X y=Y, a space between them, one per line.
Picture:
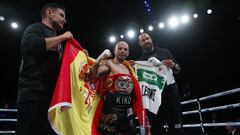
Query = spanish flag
x=76 y=105
x=74 y=100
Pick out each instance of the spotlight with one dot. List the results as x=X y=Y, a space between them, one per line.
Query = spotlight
x=131 y=33
x=185 y=19
x=161 y=25
x=150 y=28
x=195 y=15
x=122 y=36
x=209 y=11
x=112 y=39
x=14 y=25
x=2 y=18
x=173 y=22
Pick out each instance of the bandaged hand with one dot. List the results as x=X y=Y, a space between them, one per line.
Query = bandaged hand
x=104 y=55
x=154 y=61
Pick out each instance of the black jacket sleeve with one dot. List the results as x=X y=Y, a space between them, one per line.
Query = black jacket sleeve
x=33 y=42
x=177 y=68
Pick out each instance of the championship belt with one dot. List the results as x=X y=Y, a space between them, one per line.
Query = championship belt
x=123 y=84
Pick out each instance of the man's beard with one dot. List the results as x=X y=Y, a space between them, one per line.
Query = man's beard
x=122 y=58
x=56 y=26
x=148 y=47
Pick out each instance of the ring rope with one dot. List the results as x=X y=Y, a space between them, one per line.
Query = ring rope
x=8 y=110
x=9 y=120
x=212 y=96
x=212 y=124
x=230 y=106
x=7 y=132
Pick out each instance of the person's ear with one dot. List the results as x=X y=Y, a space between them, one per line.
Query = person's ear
x=49 y=12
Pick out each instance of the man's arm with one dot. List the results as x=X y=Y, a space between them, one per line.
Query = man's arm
x=52 y=42
x=101 y=66
x=35 y=44
x=98 y=70
x=172 y=63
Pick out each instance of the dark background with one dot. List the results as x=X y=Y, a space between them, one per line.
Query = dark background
x=207 y=48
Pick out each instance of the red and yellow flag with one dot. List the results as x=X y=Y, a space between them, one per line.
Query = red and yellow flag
x=74 y=100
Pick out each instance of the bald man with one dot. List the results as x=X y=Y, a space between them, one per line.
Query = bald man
x=170 y=111
x=118 y=88
x=115 y=65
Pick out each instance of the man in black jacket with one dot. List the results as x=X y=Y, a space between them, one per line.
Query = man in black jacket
x=41 y=53
x=169 y=115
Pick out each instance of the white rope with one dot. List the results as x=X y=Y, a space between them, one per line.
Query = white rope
x=11 y=120
x=7 y=132
x=8 y=110
x=212 y=124
x=212 y=96
x=230 y=106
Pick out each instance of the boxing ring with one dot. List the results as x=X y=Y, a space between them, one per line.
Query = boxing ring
x=198 y=111
x=201 y=110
